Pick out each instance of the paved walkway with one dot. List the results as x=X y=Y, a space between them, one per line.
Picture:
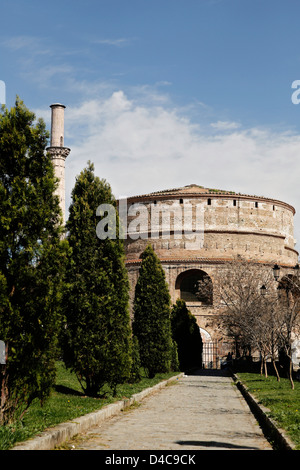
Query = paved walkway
x=201 y=411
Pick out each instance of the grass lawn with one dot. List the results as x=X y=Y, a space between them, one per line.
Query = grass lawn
x=279 y=398
x=67 y=402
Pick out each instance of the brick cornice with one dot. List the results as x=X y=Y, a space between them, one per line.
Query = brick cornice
x=212 y=261
x=211 y=195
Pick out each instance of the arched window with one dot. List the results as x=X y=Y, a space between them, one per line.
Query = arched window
x=195 y=286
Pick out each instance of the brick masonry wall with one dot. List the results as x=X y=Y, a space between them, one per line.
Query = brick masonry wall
x=263 y=233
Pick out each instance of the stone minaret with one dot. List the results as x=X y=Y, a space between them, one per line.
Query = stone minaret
x=58 y=152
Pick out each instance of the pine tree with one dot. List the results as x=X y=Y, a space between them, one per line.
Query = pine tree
x=151 y=323
x=32 y=258
x=186 y=333
x=98 y=335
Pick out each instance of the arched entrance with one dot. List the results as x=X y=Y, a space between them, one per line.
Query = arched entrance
x=208 y=351
x=214 y=352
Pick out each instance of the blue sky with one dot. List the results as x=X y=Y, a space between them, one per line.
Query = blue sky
x=162 y=94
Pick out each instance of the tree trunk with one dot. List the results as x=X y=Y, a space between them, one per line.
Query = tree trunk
x=4 y=393
x=265 y=368
x=291 y=373
x=276 y=370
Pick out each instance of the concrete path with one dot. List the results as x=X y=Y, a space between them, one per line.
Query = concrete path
x=201 y=411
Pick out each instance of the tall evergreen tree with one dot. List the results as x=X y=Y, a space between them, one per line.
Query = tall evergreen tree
x=151 y=323
x=186 y=333
x=32 y=258
x=98 y=334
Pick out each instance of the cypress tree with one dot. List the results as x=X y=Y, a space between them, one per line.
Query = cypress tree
x=97 y=343
x=151 y=323
x=135 y=375
x=186 y=333
x=32 y=258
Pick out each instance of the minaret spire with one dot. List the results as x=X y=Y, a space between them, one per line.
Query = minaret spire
x=58 y=152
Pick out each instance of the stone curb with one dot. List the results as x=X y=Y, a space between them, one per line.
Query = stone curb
x=57 y=435
x=276 y=435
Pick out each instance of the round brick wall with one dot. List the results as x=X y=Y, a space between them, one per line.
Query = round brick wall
x=195 y=229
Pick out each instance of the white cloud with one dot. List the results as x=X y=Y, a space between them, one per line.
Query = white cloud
x=118 y=42
x=225 y=125
x=139 y=147
x=31 y=44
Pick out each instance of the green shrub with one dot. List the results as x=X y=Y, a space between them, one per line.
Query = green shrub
x=186 y=333
x=151 y=323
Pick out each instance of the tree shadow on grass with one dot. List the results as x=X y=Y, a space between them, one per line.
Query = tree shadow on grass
x=68 y=391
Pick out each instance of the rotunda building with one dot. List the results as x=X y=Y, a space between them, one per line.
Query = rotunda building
x=195 y=231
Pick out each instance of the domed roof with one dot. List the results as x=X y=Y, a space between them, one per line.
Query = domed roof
x=194 y=190
x=191 y=189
